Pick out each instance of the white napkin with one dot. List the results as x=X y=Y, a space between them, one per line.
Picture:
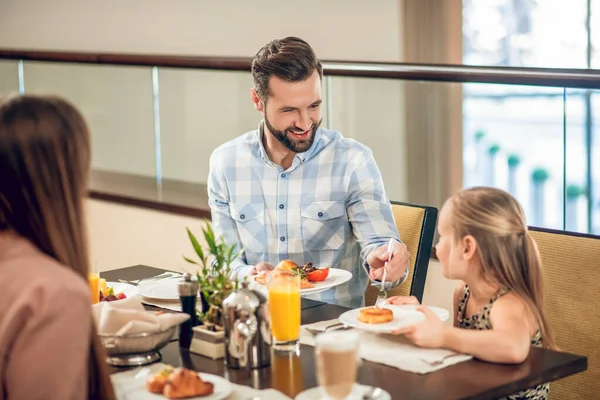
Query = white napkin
x=132 y=385
x=393 y=350
x=129 y=316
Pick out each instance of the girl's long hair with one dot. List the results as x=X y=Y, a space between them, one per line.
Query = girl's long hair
x=507 y=251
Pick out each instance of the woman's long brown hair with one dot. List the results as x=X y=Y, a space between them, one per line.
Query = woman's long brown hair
x=507 y=252
x=44 y=166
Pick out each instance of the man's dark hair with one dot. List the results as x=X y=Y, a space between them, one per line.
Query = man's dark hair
x=290 y=59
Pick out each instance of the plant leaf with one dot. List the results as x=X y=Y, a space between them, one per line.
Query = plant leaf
x=190 y=260
x=209 y=235
x=196 y=245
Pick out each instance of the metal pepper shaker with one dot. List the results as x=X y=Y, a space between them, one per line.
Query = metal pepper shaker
x=188 y=290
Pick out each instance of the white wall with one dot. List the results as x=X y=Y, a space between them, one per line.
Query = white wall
x=122 y=236
x=9 y=81
x=338 y=29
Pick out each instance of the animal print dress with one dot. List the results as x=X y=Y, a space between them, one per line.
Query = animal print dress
x=481 y=321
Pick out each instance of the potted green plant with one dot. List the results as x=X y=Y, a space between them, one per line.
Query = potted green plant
x=213 y=275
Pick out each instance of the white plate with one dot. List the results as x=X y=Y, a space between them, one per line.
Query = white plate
x=126 y=288
x=336 y=277
x=163 y=289
x=357 y=393
x=132 y=385
x=404 y=315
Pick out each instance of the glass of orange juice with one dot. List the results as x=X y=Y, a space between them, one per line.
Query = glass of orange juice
x=284 y=309
x=94 y=282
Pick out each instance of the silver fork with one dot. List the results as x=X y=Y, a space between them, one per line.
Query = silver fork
x=382 y=295
x=339 y=326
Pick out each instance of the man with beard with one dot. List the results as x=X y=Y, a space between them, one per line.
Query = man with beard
x=294 y=190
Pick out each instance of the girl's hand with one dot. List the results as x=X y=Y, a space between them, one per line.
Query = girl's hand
x=429 y=333
x=399 y=300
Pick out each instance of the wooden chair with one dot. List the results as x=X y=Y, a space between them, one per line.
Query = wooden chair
x=571 y=264
x=416 y=226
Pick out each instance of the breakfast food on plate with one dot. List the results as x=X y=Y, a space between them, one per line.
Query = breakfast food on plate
x=184 y=383
x=315 y=274
x=374 y=315
x=156 y=383
x=179 y=383
x=287 y=265
x=262 y=277
x=110 y=295
x=308 y=273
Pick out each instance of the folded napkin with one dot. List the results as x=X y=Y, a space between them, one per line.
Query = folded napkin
x=131 y=385
x=392 y=350
x=128 y=316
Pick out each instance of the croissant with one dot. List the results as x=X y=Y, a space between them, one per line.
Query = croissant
x=156 y=383
x=184 y=383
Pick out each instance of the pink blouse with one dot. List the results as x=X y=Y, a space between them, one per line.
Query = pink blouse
x=45 y=322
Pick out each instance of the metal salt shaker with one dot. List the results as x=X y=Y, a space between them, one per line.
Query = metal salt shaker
x=188 y=290
x=247 y=330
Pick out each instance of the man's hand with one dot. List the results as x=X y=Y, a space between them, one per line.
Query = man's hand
x=261 y=266
x=395 y=268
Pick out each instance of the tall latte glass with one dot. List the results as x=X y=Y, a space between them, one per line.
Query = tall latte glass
x=336 y=355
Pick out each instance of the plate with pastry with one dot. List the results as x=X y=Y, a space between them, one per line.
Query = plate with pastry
x=389 y=318
x=183 y=383
x=162 y=381
x=312 y=279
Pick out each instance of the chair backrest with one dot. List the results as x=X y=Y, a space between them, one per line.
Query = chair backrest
x=416 y=226
x=571 y=265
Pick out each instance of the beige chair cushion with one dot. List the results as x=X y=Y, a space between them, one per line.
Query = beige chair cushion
x=572 y=274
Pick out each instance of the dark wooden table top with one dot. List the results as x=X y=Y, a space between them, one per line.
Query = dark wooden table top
x=467 y=380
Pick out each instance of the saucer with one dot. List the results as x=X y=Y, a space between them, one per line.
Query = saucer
x=357 y=393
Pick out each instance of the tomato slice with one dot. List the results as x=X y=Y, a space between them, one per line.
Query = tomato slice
x=318 y=275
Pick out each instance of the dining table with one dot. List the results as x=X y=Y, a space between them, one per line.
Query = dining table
x=293 y=373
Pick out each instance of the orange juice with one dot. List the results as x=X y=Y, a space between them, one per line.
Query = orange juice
x=103 y=287
x=284 y=310
x=94 y=281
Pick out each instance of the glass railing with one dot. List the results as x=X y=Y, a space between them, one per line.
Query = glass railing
x=432 y=129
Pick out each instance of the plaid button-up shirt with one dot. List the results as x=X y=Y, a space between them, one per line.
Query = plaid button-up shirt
x=326 y=208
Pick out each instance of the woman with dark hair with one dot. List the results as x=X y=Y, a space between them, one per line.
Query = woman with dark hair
x=48 y=345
